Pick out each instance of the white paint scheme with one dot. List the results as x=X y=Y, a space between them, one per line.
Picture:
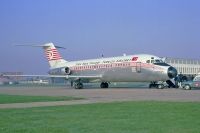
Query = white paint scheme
x=113 y=69
x=127 y=68
x=53 y=63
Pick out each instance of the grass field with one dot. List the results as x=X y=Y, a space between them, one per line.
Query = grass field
x=4 y=98
x=124 y=117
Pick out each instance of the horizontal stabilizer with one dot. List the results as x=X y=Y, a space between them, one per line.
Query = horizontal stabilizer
x=51 y=53
x=43 y=46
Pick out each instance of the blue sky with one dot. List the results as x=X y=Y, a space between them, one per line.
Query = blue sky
x=90 y=28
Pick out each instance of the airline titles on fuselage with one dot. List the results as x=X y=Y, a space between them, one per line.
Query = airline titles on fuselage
x=105 y=64
x=102 y=62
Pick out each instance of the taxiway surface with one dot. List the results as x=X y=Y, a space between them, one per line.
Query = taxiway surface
x=94 y=95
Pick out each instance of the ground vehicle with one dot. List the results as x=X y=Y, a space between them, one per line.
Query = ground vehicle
x=195 y=83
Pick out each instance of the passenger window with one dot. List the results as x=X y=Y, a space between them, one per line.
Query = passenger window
x=148 y=61
x=152 y=61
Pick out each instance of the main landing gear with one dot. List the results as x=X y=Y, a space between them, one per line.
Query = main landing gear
x=104 y=85
x=78 y=85
x=156 y=85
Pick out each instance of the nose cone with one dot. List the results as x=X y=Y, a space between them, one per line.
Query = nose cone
x=171 y=72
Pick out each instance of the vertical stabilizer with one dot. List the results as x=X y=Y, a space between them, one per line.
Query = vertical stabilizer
x=53 y=56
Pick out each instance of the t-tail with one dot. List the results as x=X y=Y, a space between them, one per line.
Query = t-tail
x=53 y=56
x=51 y=53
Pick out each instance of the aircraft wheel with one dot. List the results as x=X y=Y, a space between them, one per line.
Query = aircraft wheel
x=150 y=85
x=104 y=85
x=78 y=86
x=187 y=87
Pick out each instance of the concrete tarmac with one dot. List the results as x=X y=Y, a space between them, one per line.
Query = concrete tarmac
x=98 y=95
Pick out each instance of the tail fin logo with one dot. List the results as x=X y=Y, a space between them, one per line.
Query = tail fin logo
x=52 y=54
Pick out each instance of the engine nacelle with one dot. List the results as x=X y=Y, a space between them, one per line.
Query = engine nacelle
x=60 y=71
x=67 y=70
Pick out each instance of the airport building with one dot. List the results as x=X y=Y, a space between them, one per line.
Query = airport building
x=10 y=80
x=187 y=67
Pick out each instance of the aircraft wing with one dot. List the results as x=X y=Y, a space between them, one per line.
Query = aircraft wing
x=59 y=76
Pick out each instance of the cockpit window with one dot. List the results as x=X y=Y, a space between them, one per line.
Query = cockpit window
x=161 y=64
x=158 y=61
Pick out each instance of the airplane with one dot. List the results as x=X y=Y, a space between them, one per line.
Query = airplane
x=126 y=68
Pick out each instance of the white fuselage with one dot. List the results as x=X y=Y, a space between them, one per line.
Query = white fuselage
x=132 y=68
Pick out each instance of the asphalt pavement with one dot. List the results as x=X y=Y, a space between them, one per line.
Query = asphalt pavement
x=98 y=95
